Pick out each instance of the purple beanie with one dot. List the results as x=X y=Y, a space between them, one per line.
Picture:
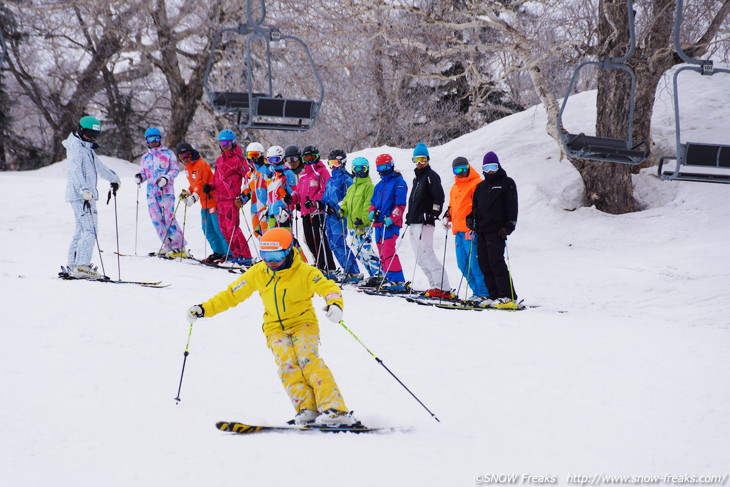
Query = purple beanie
x=490 y=158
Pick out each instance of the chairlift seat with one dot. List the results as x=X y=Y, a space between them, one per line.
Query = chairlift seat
x=700 y=155
x=285 y=108
x=232 y=101
x=604 y=149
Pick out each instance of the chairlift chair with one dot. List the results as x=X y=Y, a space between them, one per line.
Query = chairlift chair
x=694 y=161
x=606 y=149
x=263 y=109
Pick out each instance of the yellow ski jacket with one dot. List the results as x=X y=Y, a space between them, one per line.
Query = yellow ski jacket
x=287 y=294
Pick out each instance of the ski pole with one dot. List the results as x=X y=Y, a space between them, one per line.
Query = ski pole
x=169 y=226
x=185 y=218
x=185 y=359
x=443 y=262
x=418 y=254
x=116 y=226
x=377 y=359
x=509 y=271
x=136 y=221
x=87 y=206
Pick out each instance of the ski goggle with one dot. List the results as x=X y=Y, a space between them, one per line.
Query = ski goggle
x=253 y=154
x=225 y=143
x=273 y=160
x=492 y=167
x=310 y=158
x=153 y=138
x=461 y=169
x=360 y=170
x=274 y=255
x=386 y=167
x=184 y=155
x=291 y=159
x=420 y=159
x=335 y=162
x=90 y=134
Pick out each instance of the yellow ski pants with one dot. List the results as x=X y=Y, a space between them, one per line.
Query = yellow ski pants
x=304 y=375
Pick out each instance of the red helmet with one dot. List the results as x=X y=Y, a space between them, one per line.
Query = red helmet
x=383 y=159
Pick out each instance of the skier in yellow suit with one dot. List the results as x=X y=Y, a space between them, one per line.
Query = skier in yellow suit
x=287 y=285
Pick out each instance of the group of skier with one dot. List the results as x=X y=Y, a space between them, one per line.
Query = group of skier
x=342 y=214
x=345 y=217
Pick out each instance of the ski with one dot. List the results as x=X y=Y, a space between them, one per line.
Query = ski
x=461 y=304
x=244 y=429
x=66 y=276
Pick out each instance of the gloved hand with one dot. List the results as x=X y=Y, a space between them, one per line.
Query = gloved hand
x=447 y=222
x=330 y=210
x=358 y=222
x=87 y=195
x=195 y=312
x=502 y=233
x=282 y=216
x=242 y=199
x=309 y=204
x=341 y=213
x=138 y=178
x=470 y=222
x=115 y=187
x=287 y=199
x=161 y=182
x=207 y=188
x=191 y=200
x=184 y=194
x=388 y=221
x=371 y=215
x=334 y=313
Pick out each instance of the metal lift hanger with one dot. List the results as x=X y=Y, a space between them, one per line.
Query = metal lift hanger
x=263 y=109
x=701 y=162
x=606 y=149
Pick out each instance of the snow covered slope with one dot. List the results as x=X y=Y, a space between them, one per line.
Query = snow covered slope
x=632 y=380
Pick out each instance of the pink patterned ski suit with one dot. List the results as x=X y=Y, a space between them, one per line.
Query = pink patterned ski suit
x=230 y=173
x=157 y=163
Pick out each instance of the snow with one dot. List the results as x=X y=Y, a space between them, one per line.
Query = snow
x=630 y=380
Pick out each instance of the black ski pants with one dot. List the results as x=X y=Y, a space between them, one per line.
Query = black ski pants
x=490 y=254
x=316 y=238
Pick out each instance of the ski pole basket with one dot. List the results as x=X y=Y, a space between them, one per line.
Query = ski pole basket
x=260 y=97
x=694 y=161
x=602 y=148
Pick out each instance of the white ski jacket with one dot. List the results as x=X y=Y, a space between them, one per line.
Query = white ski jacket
x=84 y=167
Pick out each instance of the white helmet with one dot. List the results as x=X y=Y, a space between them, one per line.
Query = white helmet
x=275 y=151
x=255 y=147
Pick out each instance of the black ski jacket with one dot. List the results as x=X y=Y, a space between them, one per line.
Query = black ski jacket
x=494 y=204
x=427 y=197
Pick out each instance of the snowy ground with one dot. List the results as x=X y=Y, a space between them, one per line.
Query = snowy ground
x=632 y=380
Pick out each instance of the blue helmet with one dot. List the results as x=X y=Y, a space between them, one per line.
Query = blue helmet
x=226 y=135
x=152 y=132
x=360 y=167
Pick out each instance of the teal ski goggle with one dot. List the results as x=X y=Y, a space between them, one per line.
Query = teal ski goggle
x=274 y=255
x=153 y=138
x=460 y=169
x=490 y=167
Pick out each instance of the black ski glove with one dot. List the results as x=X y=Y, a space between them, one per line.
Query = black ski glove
x=502 y=233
